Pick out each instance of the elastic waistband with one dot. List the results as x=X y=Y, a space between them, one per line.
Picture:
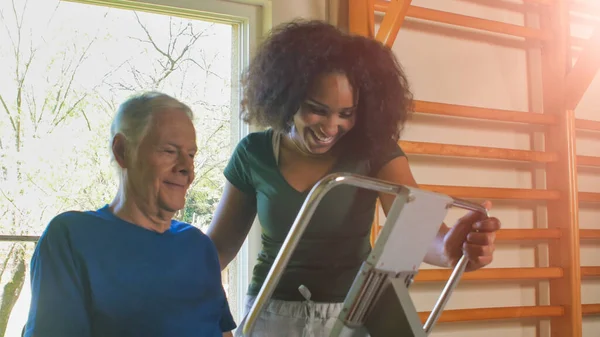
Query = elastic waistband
x=298 y=309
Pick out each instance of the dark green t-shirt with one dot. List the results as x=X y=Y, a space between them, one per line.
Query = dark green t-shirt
x=336 y=240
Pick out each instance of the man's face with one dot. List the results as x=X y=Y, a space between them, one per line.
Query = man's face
x=163 y=168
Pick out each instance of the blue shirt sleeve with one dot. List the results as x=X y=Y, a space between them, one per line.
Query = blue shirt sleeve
x=58 y=305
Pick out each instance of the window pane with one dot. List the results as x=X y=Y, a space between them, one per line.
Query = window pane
x=66 y=67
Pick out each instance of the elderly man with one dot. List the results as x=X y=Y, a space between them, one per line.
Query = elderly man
x=128 y=269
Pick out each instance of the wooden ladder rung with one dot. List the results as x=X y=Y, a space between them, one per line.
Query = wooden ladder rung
x=493 y=192
x=466 y=111
x=590 y=271
x=589 y=197
x=588 y=161
x=584 y=124
x=440 y=149
x=483 y=314
x=469 y=22
x=527 y=234
x=491 y=274
x=590 y=309
x=542 y=2
x=589 y=234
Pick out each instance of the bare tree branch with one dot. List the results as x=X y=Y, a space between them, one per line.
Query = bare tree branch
x=12 y=121
x=67 y=91
x=150 y=40
x=7 y=259
x=207 y=70
x=11 y=202
x=172 y=58
x=66 y=114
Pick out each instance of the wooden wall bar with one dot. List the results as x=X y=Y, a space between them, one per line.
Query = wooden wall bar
x=559 y=159
x=467 y=21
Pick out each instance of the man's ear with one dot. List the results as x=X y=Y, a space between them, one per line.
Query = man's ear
x=119 y=149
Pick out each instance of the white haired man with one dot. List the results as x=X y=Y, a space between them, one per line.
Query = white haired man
x=128 y=269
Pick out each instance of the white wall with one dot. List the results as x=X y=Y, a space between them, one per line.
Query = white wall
x=459 y=66
x=286 y=10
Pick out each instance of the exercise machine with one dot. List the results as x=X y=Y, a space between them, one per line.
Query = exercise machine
x=378 y=303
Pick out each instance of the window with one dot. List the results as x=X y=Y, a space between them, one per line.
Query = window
x=66 y=66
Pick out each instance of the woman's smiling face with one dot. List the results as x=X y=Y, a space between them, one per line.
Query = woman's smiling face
x=326 y=115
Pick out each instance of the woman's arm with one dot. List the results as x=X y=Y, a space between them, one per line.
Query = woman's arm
x=470 y=235
x=231 y=222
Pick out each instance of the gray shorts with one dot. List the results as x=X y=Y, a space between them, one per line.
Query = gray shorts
x=291 y=319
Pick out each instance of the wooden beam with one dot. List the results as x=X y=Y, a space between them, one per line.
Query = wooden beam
x=590 y=309
x=541 y=2
x=491 y=274
x=584 y=124
x=476 y=152
x=563 y=213
x=590 y=271
x=358 y=21
x=583 y=73
x=484 y=314
x=589 y=234
x=493 y=192
x=525 y=234
x=528 y=234
x=468 y=21
x=483 y=113
x=392 y=21
x=588 y=161
x=589 y=197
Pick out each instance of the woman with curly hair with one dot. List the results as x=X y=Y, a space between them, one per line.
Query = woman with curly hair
x=332 y=102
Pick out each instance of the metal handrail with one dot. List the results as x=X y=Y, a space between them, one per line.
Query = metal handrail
x=301 y=222
x=291 y=241
x=19 y=238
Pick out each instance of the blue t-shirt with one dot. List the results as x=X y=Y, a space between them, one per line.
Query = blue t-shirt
x=95 y=275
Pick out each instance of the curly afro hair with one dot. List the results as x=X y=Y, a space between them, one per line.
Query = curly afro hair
x=295 y=54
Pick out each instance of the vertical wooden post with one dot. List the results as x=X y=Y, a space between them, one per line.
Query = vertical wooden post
x=360 y=20
x=562 y=175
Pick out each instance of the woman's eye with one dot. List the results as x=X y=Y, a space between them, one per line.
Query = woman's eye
x=347 y=114
x=319 y=111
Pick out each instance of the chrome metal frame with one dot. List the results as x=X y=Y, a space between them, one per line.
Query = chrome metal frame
x=303 y=218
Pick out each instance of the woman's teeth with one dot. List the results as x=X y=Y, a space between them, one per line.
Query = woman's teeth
x=323 y=139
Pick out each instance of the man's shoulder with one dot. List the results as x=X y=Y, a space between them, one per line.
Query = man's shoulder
x=184 y=228
x=67 y=219
x=64 y=226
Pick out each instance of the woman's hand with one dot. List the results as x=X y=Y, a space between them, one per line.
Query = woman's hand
x=473 y=235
